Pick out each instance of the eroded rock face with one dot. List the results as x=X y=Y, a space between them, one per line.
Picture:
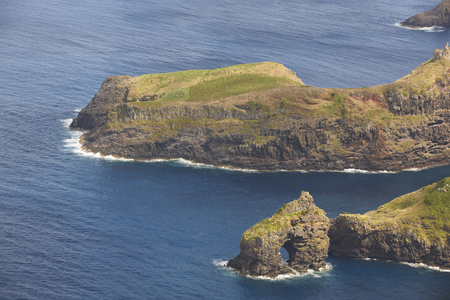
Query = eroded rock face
x=300 y=227
x=308 y=131
x=358 y=237
x=114 y=90
x=438 y=16
x=412 y=228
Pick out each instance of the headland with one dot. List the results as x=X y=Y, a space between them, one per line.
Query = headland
x=262 y=117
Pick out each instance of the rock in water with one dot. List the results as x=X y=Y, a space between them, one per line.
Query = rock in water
x=300 y=227
x=438 y=16
x=412 y=228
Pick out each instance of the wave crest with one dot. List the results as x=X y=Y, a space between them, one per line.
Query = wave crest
x=426 y=29
x=222 y=264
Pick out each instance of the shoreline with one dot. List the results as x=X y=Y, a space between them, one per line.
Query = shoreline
x=435 y=28
x=78 y=148
x=409 y=264
x=222 y=264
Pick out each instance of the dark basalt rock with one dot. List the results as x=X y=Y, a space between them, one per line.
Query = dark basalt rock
x=113 y=91
x=413 y=228
x=438 y=16
x=360 y=238
x=300 y=227
x=247 y=135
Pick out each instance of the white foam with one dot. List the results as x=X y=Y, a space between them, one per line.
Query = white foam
x=426 y=29
x=189 y=163
x=222 y=264
x=359 y=171
x=414 y=265
x=422 y=265
x=73 y=144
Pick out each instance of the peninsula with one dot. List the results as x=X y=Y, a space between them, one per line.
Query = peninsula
x=438 y=16
x=261 y=116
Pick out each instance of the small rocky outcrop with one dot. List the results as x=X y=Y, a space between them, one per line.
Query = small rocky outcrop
x=438 y=16
x=300 y=227
x=413 y=228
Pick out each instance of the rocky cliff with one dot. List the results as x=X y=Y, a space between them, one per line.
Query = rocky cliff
x=261 y=116
x=438 y=16
x=300 y=227
x=413 y=228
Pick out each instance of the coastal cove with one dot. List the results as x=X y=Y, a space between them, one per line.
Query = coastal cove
x=75 y=225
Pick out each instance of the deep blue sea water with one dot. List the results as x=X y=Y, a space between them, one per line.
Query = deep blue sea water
x=80 y=227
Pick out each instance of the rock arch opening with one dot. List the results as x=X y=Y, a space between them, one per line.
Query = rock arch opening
x=296 y=233
x=284 y=255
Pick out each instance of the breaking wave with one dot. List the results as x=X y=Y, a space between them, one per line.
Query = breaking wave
x=222 y=264
x=421 y=265
x=426 y=29
x=73 y=144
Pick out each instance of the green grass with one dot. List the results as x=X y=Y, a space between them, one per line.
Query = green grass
x=251 y=88
x=178 y=94
x=426 y=211
x=202 y=85
x=278 y=222
x=233 y=85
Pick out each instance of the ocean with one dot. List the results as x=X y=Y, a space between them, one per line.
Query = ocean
x=78 y=226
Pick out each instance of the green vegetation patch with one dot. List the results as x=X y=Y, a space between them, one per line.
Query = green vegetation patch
x=202 y=85
x=233 y=85
x=278 y=222
x=178 y=94
x=426 y=211
x=423 y=77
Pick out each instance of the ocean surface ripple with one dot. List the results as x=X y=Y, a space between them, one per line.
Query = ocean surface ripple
x=80 y=227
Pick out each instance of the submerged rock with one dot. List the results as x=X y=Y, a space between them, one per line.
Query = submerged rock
x=413 y=228
x=438 y=16
x=300 y=227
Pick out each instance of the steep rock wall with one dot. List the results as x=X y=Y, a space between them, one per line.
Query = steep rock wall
x=360 y=237
x=300 y=227
x=438 y=16
x=411 y=228
x=292 y=132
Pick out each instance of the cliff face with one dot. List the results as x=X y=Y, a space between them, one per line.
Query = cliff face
x=278 y=125
x=438 y=16
x=300 y=227
x=413 y=228
x=113 y=91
